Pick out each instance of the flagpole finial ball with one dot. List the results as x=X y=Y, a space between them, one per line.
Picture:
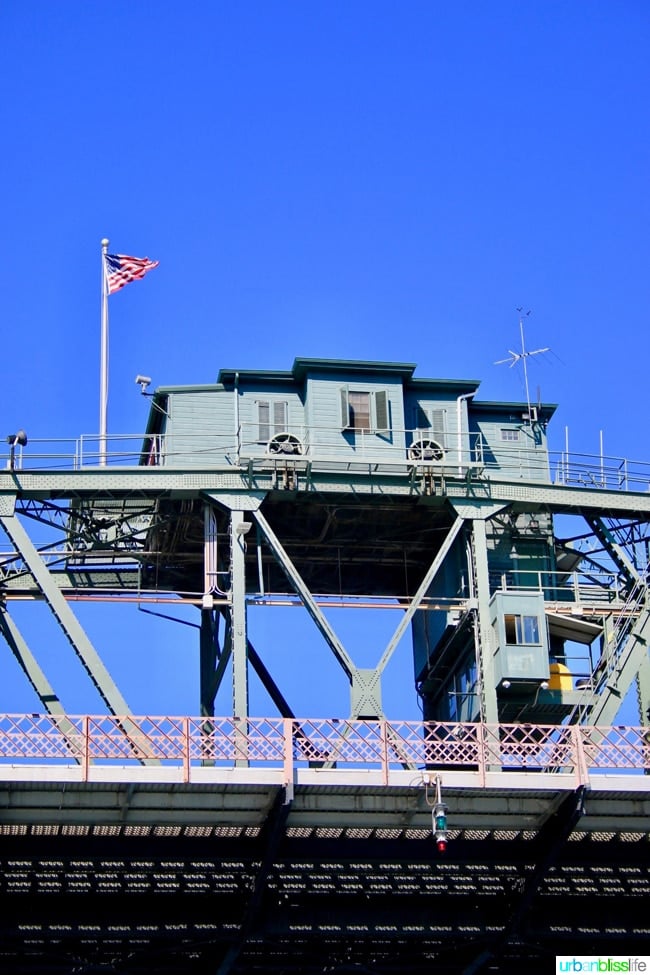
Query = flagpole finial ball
x=105 y=241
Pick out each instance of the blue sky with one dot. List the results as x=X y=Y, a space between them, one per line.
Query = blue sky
x=349 y=180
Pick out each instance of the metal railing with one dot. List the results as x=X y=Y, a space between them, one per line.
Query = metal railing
x=344 y=744
x=323 y=447
x=590 y=588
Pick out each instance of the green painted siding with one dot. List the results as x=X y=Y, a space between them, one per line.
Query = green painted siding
x=269 y=411
x=330 y=400
x=199 y=429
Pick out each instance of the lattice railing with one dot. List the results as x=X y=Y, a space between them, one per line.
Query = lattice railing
x=28 y=739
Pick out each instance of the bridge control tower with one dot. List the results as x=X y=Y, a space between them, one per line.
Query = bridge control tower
x=356 y=484
x=289 y=841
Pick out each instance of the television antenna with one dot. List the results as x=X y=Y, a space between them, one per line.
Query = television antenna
x=516 y=357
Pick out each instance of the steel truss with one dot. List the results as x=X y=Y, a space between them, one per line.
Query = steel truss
x=141 y=534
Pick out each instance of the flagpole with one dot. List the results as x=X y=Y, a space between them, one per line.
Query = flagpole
x=103 y=372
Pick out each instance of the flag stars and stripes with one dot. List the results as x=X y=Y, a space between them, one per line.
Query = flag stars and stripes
x=121 y=269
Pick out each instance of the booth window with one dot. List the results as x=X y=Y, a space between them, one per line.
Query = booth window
x=522 y=630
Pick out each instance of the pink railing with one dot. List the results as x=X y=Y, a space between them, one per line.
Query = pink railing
x=578 y=751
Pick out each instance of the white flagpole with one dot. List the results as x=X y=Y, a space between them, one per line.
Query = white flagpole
x=103 y=375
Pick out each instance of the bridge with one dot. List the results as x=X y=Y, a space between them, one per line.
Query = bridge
x=138 y=844
x=233 y=843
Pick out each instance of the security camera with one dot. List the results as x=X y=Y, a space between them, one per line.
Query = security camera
x=143 y=382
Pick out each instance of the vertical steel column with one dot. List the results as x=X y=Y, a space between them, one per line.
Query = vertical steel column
x=238 y=530
x=208 y=662
x=489 y=707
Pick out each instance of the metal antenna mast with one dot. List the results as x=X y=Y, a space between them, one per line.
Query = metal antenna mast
x=515 y=357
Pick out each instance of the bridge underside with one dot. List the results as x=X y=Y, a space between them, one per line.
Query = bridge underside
x=184 y=903
x=128 y=877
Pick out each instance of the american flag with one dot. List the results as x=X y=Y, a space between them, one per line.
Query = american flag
x=121 y=269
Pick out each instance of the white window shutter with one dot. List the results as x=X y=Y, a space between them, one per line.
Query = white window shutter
x=263 y=421
x=280 y=420
x=438 y=426
x=345 y=408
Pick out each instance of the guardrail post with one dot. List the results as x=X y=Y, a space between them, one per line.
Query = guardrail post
x=287 y=733
x=580 y=757
x=481 y=735
x=383 y=730
x=186 y=749
x=85 y=757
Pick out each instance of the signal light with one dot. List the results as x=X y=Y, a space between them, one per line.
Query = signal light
x=440 y=826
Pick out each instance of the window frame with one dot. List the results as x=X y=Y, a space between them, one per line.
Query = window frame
x=524 y=627
x=378 y=411
x=276 y=421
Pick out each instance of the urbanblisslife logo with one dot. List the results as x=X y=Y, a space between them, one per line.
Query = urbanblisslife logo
x=600 y=963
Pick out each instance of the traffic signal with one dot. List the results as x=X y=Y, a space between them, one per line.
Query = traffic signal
x=440 y=826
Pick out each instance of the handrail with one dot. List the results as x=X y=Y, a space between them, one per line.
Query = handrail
x=321 y=448
x=289 y=744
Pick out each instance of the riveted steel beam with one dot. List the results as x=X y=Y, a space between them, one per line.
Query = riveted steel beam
x=309 y=602
x=423 y=588
x=617 y=553
x=68 y=622
x=28 y=663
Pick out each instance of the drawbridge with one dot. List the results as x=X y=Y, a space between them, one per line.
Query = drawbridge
x=293 y=842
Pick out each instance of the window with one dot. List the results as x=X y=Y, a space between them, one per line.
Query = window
x=271 y=419
x=359 y=411
x=365 y=411
x=510 y=434
x=430 y=423
x=522 y=630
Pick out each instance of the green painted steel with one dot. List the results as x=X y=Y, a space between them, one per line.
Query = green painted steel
x=92 y=662
x=359 y=479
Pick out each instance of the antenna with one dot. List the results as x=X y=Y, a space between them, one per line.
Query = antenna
x=515 y=357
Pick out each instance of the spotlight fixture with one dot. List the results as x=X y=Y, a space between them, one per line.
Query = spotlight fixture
x=15 y=440
x=143 y=382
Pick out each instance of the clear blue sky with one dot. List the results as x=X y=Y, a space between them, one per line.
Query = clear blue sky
x=342 y=179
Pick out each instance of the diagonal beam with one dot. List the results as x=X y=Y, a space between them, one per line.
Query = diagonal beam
x=29 y=665
x=68 y=622
x=630 y=663
x=312 y=608
x=268 y=683
x=423 y=588
x=37 y=678
x=616 y=552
